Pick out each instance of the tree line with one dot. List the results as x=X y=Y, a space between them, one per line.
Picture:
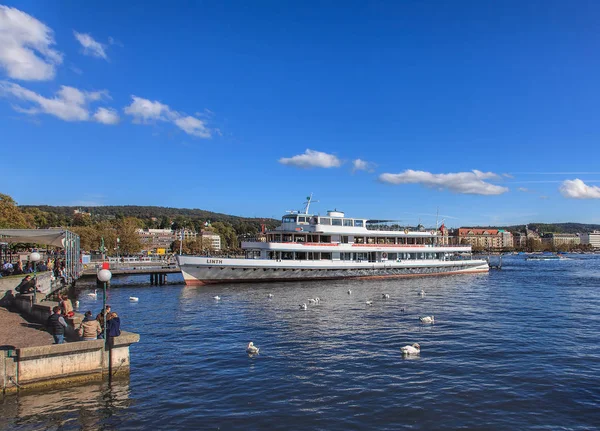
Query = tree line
x=94 y=224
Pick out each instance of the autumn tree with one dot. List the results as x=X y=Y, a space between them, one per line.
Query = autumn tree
x=126 y=231
x=11 y=217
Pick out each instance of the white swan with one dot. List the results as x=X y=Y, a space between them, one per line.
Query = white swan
x=93 y=295
x=252 y=349
x=76 y=304
x=217 y=298
x=312 y=301
x=385 y=296
x=317 y=299
x=415 y=349
x=349 y=292
x=303 y=307
x=427 y=319
x=134 y=299
x=369 y=302
x=270 y=295
x=422 y=292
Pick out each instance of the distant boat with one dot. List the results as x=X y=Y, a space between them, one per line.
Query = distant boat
x=546 y=256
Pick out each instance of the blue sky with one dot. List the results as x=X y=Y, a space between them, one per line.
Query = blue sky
x=485 y=110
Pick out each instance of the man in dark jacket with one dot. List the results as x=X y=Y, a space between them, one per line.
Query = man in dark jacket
x=57 y=326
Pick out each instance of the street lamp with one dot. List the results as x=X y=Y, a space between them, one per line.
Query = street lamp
x=35 y=258
x=104 y=275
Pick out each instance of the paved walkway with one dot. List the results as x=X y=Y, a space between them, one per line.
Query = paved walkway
x=18 y=332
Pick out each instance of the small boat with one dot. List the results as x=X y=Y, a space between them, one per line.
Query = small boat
x=547 y=256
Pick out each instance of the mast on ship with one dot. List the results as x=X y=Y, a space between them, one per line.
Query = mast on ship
x=307 y=203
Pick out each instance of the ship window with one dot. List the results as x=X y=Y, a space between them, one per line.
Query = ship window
x=289 y=219
x=301 y=219
x=358 y=223
x=324 y=220
x=370 y=240
x=344 y=240
x=336 y=222
x=347 y=222
x=359 y=239
x=325 y=256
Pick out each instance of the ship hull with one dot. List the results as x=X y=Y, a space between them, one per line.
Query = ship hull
x=198 y=271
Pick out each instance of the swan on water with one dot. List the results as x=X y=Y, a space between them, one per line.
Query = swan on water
x=422 y=292
x=312 y=301
x=303 y=307
x=251 y=349
x=385 y=296
x=349 y=292
x=134 y=299
x=217 y=298
x=317 y=299
x=270 y=295
x=369 y=302
x=415 y=349
x=76 y=304
x=427 y=319
x=93 y=295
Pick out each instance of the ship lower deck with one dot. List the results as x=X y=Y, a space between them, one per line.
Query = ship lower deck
x=200 y=271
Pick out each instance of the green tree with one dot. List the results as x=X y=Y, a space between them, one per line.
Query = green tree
x=227 y=233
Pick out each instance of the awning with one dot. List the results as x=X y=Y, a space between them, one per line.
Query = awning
x=53 y=237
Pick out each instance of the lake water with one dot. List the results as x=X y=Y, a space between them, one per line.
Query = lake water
x=513 y=349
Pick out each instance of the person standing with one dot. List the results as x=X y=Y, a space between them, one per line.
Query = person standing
x=57 y=326
x=89 y=328
x=100 y=317
x=113 y=327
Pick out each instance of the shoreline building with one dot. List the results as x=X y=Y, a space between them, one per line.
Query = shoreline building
x=560 y=239
x=591 y=238
x=159 y=240
x=496 y=239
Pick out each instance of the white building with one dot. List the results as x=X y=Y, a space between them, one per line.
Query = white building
x=592 y=238
x=212 y=240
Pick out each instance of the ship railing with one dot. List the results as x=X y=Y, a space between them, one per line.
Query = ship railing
x=336 y=244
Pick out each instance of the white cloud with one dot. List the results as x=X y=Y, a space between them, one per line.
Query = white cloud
x=193 y=126
x=91 y=46
x=460 y=182
x=69 y=103
x=25 y=46
x=523 y=189
x=577 y=189
x=146 y=111
x=362 y=165
x=106 y=116
x=312 y=159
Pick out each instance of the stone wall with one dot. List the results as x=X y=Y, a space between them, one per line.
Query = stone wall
x=58 y=364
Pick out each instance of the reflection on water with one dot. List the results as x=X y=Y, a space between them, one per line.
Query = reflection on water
x=88 y=407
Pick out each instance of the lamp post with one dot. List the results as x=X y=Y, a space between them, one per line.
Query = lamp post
x=104 y=275
x=35 y=258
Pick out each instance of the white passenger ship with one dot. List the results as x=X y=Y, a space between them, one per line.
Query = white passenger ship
x=314 y=247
